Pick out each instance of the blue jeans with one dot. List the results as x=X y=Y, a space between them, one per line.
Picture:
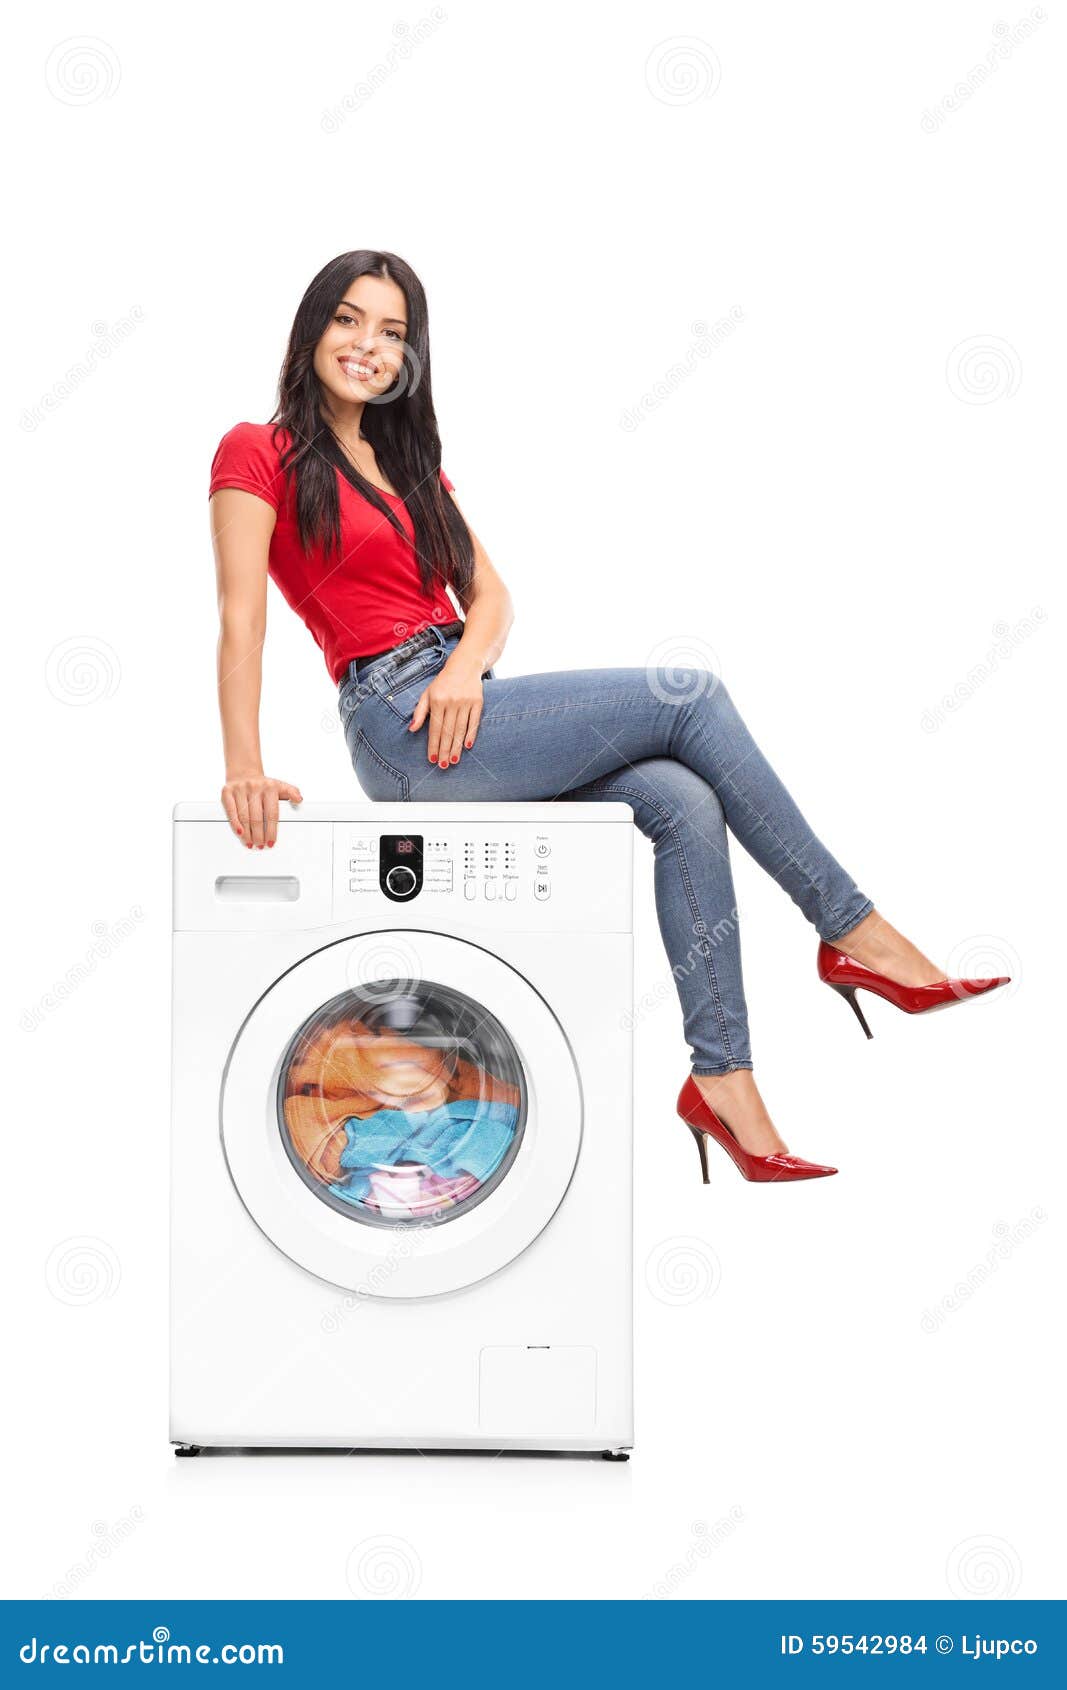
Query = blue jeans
x=668 y=742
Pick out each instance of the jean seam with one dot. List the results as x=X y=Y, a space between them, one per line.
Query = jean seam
x=541 y=710
x=401 y=778
x=854 y=921
x=713 y=984
x=724 y=778
x=351 y=689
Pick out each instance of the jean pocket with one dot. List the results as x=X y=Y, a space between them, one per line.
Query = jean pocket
x=395 y=684
x=380 y=780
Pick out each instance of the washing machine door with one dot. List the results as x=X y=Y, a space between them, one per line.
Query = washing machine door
x=401 y=1113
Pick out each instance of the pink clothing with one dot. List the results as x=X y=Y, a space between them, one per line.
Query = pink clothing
x=412 y=1188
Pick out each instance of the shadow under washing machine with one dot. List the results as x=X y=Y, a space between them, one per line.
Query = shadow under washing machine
x=401 y=1195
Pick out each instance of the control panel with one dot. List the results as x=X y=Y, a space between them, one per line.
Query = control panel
x=490 y=866
x=400 y=865
x=473 y=869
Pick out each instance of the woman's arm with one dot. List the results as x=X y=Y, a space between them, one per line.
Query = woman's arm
x=488 y=610
x=453 y=699
x=241 y=528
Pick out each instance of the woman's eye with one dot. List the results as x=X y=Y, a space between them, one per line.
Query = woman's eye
x=342 y=318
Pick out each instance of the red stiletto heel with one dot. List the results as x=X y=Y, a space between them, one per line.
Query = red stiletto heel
x=703 y=1123
x=846 y=976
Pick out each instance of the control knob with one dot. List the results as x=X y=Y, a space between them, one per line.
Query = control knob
x=401 y=880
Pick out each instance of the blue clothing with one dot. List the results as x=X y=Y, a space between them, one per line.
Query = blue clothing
x=466 y=1136
x=667 y=741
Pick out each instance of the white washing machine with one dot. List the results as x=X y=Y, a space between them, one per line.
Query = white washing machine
x=401 y=1205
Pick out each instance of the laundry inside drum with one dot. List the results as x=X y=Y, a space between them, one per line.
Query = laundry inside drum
x=402 y=1103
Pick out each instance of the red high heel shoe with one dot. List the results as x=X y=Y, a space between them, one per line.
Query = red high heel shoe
x=847 y=976
x=703 y=1123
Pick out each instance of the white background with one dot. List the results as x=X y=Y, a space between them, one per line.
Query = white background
x=840 y=506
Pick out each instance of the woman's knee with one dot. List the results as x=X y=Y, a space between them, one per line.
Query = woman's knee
x=683 y=686
x=666 y=796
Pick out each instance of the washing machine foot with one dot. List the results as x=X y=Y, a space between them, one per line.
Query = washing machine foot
x=187 y=1449
x=615 y=1455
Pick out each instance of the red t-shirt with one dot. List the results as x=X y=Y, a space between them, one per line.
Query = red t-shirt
x=364 y=599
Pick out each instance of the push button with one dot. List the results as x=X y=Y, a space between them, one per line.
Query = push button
x=511 y=890
x=542 y=887
x=470 y=889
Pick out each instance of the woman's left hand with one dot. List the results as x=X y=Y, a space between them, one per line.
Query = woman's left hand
x=453 y=702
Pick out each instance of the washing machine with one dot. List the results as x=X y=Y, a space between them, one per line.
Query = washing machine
x=401 y=1176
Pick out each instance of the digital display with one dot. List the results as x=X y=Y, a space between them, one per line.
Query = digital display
x=404 y=845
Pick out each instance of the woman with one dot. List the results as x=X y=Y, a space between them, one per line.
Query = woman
x=342 y=500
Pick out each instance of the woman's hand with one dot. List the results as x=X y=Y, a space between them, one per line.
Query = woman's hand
x=251 y=803
x=453 y=702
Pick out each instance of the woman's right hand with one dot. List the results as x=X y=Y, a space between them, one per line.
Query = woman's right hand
x=251 y=803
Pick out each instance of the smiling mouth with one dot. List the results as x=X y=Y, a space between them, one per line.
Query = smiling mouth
x=358 y=368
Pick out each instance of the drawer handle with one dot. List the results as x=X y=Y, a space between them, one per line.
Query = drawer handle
x=257 y=888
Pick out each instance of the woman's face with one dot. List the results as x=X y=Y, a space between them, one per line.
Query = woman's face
x=361 y=352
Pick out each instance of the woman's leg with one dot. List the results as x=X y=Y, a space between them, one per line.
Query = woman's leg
x=697 y=912
x=572 y=734
x=695 y=903
x=543 y=735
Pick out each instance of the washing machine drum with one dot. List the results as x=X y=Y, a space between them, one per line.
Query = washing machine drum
x=401 y=1114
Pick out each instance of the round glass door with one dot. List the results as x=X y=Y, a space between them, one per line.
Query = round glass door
x=402 y=1103
x=401 y=1137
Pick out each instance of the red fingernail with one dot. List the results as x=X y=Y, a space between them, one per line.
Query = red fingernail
x=271 y=843
x=240 y=830
x=469 y=743
x=455 y=759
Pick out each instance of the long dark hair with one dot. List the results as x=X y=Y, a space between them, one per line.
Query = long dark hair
x=401 y=427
